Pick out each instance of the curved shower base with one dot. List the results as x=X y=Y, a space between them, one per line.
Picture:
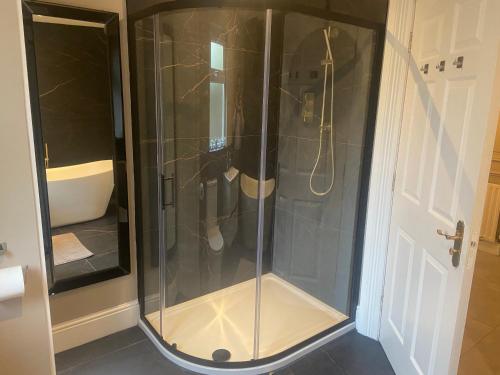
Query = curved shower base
x=250 y=368
x=227 y=90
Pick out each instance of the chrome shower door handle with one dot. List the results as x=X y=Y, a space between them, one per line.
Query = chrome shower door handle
x=164 y=192
x=457 y=239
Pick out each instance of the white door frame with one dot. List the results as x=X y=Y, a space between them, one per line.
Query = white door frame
x=385 y=152
x=396 y=65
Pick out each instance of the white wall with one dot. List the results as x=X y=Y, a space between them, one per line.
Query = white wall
x=87 y=300
x=25 y=339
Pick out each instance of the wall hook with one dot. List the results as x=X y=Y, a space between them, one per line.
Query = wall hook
x=459 y=62
x=441 y=66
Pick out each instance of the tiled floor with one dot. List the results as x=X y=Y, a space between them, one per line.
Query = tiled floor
x=481 y=344
x=130 y=352
x=100 y=237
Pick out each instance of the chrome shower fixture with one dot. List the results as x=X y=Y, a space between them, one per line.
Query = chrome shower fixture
x=326 y=126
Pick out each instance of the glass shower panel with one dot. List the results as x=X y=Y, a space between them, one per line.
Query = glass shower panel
x=209 y=67
x=220 y=205
x=146 y=132
x=321 y=87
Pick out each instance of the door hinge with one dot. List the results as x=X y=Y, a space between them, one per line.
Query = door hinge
x=393 y=181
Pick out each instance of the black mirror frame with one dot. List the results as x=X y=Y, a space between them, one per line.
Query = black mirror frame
x=112 y=31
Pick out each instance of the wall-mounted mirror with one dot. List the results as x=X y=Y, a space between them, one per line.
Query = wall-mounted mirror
x=73 y=58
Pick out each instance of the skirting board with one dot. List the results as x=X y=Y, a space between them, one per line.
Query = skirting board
x=91 y=327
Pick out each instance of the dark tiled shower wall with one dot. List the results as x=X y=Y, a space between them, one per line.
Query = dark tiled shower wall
x=184 y=65
x=371 y=10
x=314 y=236
x=313 y=239
x=73 y=83
x=185 y=61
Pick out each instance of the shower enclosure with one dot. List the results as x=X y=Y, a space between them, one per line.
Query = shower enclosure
x=253 y=132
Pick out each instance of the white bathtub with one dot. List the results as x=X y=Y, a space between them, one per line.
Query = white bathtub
x=79 y=193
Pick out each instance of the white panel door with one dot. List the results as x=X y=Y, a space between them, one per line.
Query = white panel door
x=445 y=132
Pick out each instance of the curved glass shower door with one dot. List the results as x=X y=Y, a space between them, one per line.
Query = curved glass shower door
x=203 y=100
x=252 y=142
x=320 y=136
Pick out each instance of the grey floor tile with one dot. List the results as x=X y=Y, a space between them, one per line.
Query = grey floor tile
x=106 y=223
x=135 y=359
x=100 y=237
x=99 y=348
x=317 y=363
x=358 y=355
x=130 y=353
x=76 y=268
x=104 y=261
x=100 y=243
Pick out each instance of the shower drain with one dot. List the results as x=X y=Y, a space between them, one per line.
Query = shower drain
x=221 y=355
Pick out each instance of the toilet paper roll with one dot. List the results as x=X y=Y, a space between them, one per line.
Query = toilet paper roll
x=11 y=283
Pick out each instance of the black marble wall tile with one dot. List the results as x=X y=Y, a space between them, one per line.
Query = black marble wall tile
x=75 y=101
x=309 y=237
x=313 y=242
x=185 y=38
x=182 y=89
x=371 y=10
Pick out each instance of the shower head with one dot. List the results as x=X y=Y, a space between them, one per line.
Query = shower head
x=326 y=127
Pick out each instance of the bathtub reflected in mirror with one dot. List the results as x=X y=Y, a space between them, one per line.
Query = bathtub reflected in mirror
x=73 y=59
x=82 y=218
x=79 y=193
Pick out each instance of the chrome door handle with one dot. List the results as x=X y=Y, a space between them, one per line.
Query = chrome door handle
x=450 y=236
x=457 y=239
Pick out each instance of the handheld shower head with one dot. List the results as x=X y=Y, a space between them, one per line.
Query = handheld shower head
x=326 y=126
